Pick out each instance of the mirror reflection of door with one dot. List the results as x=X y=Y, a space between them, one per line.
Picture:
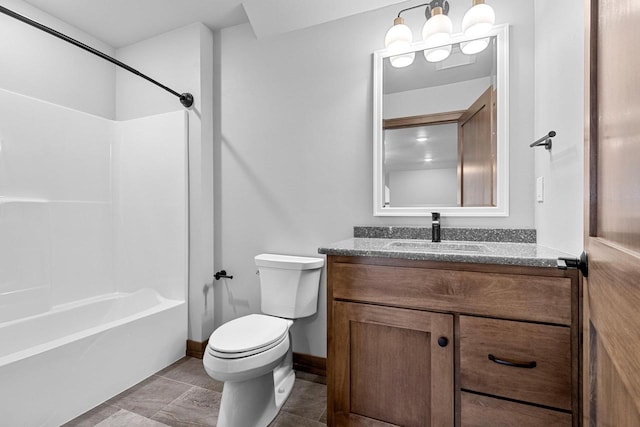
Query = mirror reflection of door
x=477 y=152
x=442 y=159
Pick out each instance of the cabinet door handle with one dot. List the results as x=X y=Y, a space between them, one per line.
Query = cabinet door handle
x=512 y=363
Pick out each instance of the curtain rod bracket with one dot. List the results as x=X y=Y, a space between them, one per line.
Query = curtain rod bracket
x=186 y=99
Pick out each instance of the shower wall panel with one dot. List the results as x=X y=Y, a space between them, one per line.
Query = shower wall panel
x=55 y=170
x=150 y=204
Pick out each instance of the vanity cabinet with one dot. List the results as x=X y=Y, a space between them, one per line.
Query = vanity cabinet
x=426 y=343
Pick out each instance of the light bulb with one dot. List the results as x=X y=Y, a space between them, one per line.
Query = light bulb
x=397 y=40
x=437 y=30
x=478 y=20
x=401 y=61
x=437 y=54
x=474 y=46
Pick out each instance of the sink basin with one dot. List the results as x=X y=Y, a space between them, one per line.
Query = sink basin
x=438 y=247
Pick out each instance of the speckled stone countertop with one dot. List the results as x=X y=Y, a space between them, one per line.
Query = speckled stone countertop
x=514 y=235
x=525 y=254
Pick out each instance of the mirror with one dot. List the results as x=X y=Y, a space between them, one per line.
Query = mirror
x=440 y=131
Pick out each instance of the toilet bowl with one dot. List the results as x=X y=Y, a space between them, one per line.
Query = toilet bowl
x=252 y=354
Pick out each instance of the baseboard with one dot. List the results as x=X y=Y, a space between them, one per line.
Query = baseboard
x=310 y=364
x=196 y=348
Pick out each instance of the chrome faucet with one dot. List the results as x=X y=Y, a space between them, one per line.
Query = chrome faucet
x=435 y=226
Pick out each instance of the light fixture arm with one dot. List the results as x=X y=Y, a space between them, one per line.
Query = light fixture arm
x=444 y=4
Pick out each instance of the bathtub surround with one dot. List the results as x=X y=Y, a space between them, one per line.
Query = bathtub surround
x=39 y=65
x=97 y=300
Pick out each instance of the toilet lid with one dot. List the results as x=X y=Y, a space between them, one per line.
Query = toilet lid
x=248 y=333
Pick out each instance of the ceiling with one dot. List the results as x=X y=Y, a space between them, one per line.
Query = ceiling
x=123 y=22
x=421 y=147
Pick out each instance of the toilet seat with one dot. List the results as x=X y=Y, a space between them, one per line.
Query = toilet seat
x=247 y=336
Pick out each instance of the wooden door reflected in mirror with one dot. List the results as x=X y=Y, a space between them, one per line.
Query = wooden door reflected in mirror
x=442 y=159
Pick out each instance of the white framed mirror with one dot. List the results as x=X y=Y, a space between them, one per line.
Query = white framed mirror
x=441 y=131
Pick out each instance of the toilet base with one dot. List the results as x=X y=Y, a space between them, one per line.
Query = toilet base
x=256 y=402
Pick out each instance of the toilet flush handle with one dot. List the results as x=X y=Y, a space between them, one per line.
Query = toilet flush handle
x=222 y=274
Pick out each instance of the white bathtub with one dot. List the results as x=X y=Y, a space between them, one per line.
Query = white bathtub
x=57 y=365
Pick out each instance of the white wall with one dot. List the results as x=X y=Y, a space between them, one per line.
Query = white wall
x=37 y=64
x=437 y=99
x=296 y=146
x=183 y=60
x=559 y=106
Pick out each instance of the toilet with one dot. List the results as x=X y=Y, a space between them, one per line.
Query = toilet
x=252 y=354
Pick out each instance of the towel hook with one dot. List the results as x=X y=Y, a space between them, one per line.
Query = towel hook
x=545 y=141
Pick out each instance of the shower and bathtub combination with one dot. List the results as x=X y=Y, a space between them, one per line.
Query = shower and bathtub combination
x=93 y=256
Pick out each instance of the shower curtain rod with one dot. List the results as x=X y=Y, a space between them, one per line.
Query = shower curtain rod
x=186 y=99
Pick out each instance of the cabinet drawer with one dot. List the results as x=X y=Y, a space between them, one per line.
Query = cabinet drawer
x=516 y=343
x=484 y=411
x=535 y=298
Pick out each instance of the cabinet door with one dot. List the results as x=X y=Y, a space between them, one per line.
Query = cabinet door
x=390 y=368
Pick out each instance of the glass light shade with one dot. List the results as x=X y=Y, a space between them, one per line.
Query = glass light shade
x=398 y=38
x=478 y=20
x=437 y=54
x=403 y=60
x=474 y=46
x=438 y=28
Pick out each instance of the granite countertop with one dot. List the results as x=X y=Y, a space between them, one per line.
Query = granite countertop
x=473 y=251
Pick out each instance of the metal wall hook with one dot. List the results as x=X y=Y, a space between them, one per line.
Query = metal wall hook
x=222 y=274
x=545 y=141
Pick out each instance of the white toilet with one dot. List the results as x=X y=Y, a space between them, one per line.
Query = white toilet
x=252 y=354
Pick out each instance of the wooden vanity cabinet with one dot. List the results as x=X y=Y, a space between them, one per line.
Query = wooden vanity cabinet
x=423 y=343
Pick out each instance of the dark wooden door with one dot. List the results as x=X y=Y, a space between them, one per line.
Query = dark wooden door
x=612 y=214
x=390 y=368
x=477 y=152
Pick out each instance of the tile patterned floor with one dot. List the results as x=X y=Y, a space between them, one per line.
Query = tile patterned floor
x=183 y=395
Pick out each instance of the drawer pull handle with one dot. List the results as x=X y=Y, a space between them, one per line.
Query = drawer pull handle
x=512 y=363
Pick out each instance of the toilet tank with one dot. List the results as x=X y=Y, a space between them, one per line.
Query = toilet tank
x=289 y=284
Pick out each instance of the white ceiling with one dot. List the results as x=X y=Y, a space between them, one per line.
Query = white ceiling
x=123 y=22
x=404 y=150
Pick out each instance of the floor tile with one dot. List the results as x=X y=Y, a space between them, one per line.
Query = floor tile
x=124 y=418
x=93 y=417
x=308 y=400
x=149 y=396
x=285 y=419
x=323 y=417
x=190 y=370
x=197 y=407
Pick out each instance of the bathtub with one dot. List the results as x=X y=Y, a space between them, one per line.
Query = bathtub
x=57 y=365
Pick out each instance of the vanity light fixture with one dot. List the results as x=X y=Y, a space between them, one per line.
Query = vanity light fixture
x=397 y=40
x=421 y=139
x=478 y=20
x=437 y=31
